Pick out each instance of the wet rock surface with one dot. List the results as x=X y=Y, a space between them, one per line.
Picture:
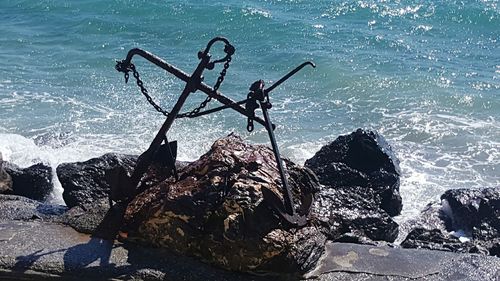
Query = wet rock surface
x=469 y=223
x=350 y=217
x=360 y=174
x=34 y=182
x=364 y=163
x=85 y=182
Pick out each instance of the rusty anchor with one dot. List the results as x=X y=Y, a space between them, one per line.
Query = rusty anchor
x=257 y=97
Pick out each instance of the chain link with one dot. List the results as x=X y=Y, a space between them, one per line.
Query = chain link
x=189 y=114
x=204 y=103
x=144 y=91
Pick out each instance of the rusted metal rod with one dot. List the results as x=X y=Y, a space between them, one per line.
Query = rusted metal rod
x=288 y=75
x=146 y=158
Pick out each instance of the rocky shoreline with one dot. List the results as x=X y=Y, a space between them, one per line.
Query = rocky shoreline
x=215 y=213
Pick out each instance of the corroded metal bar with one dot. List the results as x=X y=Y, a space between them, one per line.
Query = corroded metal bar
x=288 y=75
x=146 y=158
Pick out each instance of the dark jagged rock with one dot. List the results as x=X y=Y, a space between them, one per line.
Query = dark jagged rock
x=433 y=239
x=14 y=207
x=432 y=217
x=90 y=181
x=361 y=162
x=473 y=213
x=34 y=182
x=477 y=212
x=342 y=211
x=97 y=219
x=5 y=179
x=216 y=212
x=85 y=182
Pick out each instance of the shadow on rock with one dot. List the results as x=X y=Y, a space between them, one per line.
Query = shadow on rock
x=99 y=247
x=24 y=263
x=83 y=255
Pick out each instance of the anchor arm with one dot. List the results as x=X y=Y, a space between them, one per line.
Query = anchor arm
x=285 y=208
x=288 y=75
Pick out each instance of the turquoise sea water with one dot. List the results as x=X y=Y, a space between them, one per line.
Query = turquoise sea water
x=425 y=74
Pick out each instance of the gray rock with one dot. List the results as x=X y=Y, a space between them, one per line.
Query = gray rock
x=55 y=252
x=430 y=231
x=364 y=163
x=38 y=250
x=14 y=207
x=34 y=182
x=477 y=212
x=434 y=239
x=472 y=209
x=86 y=218
x=97 y=219
x=431 y=217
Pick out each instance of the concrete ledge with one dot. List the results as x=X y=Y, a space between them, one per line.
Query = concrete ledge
x=35 y=250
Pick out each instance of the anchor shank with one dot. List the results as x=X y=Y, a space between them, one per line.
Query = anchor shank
x=158 y=62
x=287 y=196
x=146 y=158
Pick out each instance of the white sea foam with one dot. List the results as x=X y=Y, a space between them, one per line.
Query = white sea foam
x=462 y=235
x=256 y=11
x=25 y=152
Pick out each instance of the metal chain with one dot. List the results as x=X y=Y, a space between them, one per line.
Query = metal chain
x=204 y=103
x=144 y=91
x=193 y=112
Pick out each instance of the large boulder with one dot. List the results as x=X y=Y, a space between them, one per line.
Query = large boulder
x=5 y=179
x=86 y=182
x=364 y=163
x=470 y=222
x=216 y=211
x=34 y=182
